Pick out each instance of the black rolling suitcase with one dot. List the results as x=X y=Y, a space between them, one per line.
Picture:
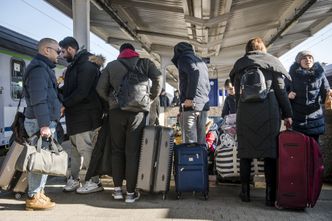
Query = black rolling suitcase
x=156 y=157
x=191 y=169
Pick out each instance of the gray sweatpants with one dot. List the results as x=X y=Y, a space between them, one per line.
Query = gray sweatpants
x=81 y=151
x=193 y=126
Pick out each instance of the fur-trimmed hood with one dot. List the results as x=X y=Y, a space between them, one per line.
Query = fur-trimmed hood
x=316 y=69
x=99 y=60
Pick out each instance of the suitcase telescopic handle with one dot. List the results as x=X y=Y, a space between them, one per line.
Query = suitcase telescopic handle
x=288 y=126
x=182 y=123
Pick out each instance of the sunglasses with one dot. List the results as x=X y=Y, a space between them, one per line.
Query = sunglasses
x=58 y=51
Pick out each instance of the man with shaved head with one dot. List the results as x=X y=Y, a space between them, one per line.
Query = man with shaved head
x=42 y=112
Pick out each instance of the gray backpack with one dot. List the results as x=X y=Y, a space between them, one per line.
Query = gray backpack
x=133 y=93
x=253 y=86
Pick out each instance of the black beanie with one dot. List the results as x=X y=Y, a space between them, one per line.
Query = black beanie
x=126 y=46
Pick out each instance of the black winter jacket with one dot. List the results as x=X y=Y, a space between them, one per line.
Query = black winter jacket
x=311 y=87
x=229 y=106
x=83 y=108
x=40 y=91
x=193 y=77
x=258 y=124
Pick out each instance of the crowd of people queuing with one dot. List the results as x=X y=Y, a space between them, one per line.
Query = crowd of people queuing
x=88 y=93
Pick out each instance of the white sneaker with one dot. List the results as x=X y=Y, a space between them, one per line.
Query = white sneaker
x=71 y=185
x=90 y=187
x=132 y=197
x=117 y=194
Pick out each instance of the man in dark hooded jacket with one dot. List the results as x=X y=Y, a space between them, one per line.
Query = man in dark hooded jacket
x=194 y=92
x=126 y=127
x=83 y=110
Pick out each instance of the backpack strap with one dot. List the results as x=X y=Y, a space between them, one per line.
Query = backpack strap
x=19 y=102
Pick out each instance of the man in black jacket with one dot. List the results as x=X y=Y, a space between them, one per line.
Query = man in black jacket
x=194 y=92
x=42 y=111
x=83 y=111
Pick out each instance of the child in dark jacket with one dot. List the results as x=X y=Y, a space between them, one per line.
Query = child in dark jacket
x=230 y=101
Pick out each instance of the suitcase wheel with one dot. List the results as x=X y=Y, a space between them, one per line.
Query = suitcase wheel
x=18 y=196
x=178 y=195
x=206 y=196
x=277 y=205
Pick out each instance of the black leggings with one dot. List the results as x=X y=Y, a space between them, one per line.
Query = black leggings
x=126 y=130
x=270 y=170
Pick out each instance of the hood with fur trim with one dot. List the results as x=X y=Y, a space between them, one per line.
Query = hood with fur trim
x=99 y=60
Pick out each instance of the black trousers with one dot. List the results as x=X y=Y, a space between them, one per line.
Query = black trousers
x=126 y=130
x=270 y=170
x=316 y=137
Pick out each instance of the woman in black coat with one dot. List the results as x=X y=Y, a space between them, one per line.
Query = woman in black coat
x=307 y=90
x=258 y=123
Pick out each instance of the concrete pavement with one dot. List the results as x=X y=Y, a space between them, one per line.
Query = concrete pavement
x=223 y=204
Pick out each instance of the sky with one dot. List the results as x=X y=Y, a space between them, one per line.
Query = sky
x=320 y=44
x=37 y=19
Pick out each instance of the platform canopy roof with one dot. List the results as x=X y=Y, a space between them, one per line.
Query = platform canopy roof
x=218 y=29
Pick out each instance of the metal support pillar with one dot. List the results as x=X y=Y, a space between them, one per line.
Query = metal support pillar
x=81 y=22
x=164 y=62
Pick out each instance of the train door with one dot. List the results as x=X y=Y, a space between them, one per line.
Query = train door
x=13 y=86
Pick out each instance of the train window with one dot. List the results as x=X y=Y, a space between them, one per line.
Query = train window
x=16 y=83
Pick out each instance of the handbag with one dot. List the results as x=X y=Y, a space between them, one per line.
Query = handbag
x=60 y=132
x=29 y=147
x=328 y=102
x=19 y=134
x=52 y=161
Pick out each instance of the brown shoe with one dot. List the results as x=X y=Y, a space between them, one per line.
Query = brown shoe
x=42 y=195
x=37 y=202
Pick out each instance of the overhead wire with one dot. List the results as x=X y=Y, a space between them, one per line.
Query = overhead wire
x=67 y=27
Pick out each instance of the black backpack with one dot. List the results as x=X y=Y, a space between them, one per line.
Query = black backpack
x=253 y=86
x=134 y=92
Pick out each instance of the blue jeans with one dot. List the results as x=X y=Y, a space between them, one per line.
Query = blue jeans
x=36 y=182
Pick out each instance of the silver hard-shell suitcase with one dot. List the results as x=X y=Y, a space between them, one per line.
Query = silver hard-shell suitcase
x=156 y=159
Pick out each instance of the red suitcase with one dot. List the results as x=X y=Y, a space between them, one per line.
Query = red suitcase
x=300 y=170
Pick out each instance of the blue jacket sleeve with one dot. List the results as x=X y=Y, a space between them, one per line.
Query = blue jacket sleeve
x=288 y=85
x=37 y=89
x=189 y=68
x=325 y=88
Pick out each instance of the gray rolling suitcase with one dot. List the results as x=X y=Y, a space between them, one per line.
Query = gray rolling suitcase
x=8 y=166
x=156 y=158
x=10 y=179
x=19 y=184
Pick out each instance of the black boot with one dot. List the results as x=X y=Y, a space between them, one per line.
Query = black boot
x=270 y=195
x=245 y=192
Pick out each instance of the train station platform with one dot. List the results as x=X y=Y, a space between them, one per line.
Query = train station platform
x=223 y=204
